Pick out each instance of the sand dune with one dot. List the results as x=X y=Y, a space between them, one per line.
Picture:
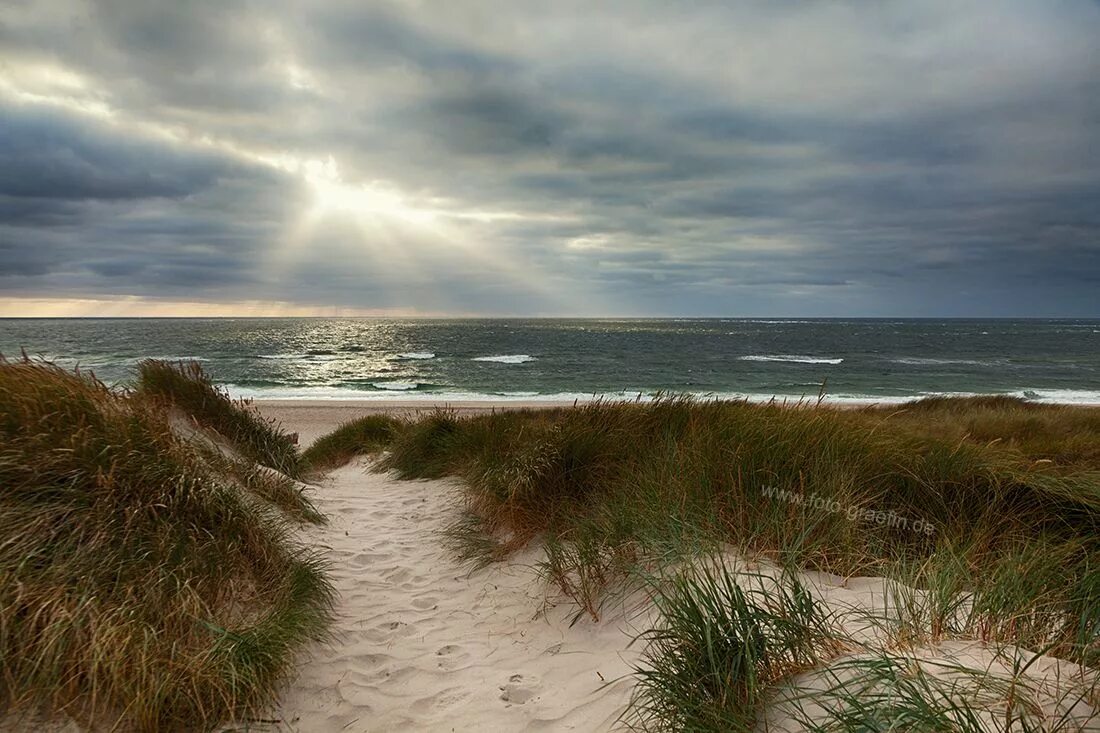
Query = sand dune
x=422 y=644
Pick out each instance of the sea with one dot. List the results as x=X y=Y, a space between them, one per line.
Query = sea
x=838 y=360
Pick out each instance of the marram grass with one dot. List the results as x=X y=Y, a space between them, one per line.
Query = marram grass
x=141 y=586
x=363 y=436
x=186 y=387
x=720 y=650
x=735 y=652
x=995 y=498
x=983 y=514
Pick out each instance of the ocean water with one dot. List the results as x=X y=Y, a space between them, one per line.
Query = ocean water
x=846 y=359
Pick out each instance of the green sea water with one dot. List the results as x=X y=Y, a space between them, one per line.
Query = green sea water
x=846 y=359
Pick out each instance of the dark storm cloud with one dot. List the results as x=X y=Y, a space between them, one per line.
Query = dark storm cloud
x=107 y=212
x=46 y=156
x=901 y=158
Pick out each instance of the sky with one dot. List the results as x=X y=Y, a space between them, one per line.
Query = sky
x=514 y=158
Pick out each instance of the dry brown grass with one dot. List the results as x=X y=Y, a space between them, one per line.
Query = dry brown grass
x=139 y=586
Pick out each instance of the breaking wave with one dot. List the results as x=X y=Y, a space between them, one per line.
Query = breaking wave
x=792 y=358
x=506 y=359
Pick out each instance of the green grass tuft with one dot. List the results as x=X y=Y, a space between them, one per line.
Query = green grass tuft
x=363 y=436
x=720 y=650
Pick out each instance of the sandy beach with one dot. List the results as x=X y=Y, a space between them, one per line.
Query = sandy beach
x=313 y=418
x=422 y=643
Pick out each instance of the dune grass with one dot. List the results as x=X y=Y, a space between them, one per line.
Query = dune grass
x=185 y=386
x=737 y=651
x=891 y=691
x=994 y=498
x=983 y=514
x=721 y=650
x=140 y=585
x=278 y=489
x=364 y=436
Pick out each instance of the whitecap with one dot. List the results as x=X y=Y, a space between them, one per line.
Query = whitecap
x=1060 y=396
x=395 y=386
x=416 y=355
x=779 y=322
x=173 y=359
x=792 y=358
x=506 y=359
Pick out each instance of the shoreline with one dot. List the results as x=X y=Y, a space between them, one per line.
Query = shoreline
x=429 y=400
x=311 y=419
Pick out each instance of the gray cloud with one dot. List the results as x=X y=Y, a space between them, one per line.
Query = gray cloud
x=930 y=158
x=46 y=156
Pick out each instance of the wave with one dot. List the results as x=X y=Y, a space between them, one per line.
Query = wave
x=416 y=355
x=373 y=392
x=1060 y=396
x=94 y=361
x=506 y=359
x=778 y=321
x=396 y=386
x=792 y=358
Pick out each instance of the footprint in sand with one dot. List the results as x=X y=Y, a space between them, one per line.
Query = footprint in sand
x=366 y=559
x=386 y=632
x=519 y=689
x=397 y=575
x=423 y=604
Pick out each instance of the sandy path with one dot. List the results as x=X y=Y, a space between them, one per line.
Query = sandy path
x=421 y=644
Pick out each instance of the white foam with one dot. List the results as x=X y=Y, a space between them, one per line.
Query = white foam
x=100 y=361
x=416 y=355
x=395 y=386
x=346 y=393
x=770 y=321
x=172 y=359
x=301 y=393
x=506 y=359
x=792 y=358
x=409 y=394
x=1060 y=396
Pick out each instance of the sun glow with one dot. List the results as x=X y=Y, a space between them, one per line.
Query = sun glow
x=332 y=197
